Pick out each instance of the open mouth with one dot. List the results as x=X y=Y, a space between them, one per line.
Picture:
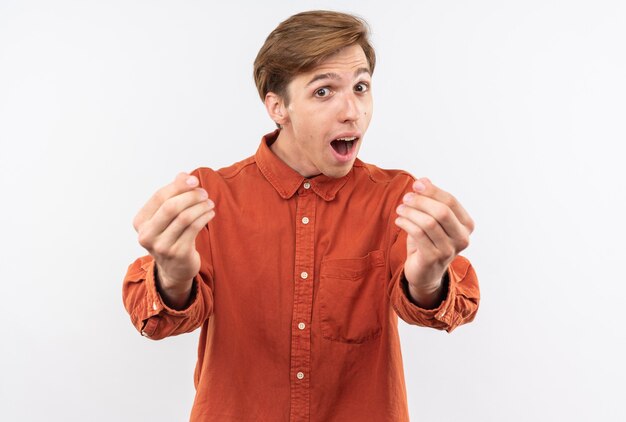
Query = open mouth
x=344 y=146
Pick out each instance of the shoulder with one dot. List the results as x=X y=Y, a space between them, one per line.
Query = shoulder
x=373 y=175
x=208 y=175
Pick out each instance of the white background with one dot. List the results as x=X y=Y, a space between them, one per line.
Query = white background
x=516 y=107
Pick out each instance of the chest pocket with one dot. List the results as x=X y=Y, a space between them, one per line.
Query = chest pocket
x=352 y=297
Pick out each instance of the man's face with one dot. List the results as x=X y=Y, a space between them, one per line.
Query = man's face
x=329 y=111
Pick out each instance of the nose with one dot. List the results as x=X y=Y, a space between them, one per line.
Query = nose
x=350 y=110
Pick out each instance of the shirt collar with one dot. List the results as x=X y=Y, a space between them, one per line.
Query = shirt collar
x=287 y=181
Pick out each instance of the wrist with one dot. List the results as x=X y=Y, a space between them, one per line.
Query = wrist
x=176 y=295
x=428 y=296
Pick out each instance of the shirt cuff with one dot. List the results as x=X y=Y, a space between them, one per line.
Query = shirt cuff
x=439 y=317
x=440 y=311
x=156 y=306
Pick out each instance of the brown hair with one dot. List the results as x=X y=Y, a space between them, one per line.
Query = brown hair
x=303 y=41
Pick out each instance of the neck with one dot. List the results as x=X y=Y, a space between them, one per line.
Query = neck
x=286 y=148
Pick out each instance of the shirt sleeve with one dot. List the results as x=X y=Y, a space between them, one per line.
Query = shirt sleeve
x=459 y=307
x=149 y=313
x=463 y=294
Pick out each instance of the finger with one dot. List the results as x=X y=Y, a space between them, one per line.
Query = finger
x=442 y=214
x=179 y=225
x=183 y=183
x=430 y=227
x=425 y=246
x=188 y=237
x=151 y=230
x=425 y=187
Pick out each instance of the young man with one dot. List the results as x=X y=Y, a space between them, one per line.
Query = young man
x=298 y=265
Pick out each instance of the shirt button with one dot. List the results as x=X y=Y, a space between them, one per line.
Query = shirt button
x=143 y=333
x=305 y=220
x=307 y=185
x=154 y=306
x=301 y=326
x=304 y=275
x=300 y=375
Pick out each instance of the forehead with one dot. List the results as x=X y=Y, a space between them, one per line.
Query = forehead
x=348 y=57
x=347 y=60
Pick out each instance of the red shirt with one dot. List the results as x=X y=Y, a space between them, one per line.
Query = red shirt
x=298 y=295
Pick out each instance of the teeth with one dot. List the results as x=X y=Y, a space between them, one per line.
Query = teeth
x=346 y=139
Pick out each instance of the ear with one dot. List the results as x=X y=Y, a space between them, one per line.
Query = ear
x=275 y=106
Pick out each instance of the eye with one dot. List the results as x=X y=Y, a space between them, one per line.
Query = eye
x=322 y=92
x=361 y=87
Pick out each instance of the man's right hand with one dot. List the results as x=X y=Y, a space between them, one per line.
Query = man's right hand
x=167 y=227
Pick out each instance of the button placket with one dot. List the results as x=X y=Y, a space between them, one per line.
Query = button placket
x=303 y=298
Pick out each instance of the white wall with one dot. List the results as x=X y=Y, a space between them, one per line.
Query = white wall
x=516 y=107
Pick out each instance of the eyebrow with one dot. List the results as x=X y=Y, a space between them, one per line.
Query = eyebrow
x=332 y=75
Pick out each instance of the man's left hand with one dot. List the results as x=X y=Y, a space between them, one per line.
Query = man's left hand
x=437 y=228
